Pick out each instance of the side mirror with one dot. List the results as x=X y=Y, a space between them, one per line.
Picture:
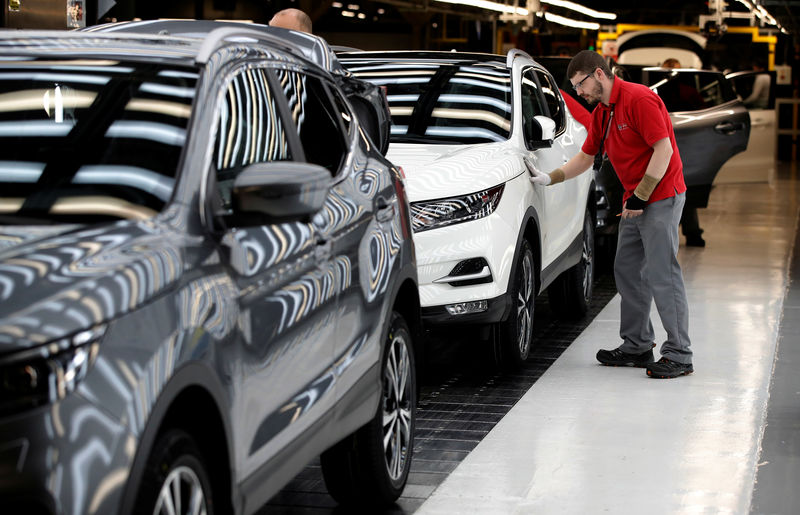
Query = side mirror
x=540 y=132
x=281 y=191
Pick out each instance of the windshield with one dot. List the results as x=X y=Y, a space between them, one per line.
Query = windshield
x=89 y=140
x=443 y=102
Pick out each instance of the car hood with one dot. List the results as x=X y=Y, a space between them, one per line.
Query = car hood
x=58 y=280
x=440 y=171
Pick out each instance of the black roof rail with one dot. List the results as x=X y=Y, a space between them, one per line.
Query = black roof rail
x=216 y=37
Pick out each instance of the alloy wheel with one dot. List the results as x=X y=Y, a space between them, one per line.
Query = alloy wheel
x=525 y=306
x=181 y=493
x=587 y=260
x=397 y=406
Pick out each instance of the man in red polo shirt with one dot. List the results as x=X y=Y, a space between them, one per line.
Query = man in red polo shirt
x=632 y=126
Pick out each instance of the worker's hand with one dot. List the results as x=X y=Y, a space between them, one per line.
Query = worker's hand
x=537 y=177
x=631 y=213
x=633 y=207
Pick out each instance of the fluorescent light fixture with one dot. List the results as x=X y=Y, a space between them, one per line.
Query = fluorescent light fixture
x=580 y=9
x=361 y=16
x=492 y=6
x=337 y=5
x=348 y=14
x=353 y=7
x=569 y=22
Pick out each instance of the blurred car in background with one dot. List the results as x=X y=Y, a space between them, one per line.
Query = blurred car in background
x=207 y=278
x=711 y=126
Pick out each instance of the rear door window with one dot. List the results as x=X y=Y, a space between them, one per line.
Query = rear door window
x=691 y=90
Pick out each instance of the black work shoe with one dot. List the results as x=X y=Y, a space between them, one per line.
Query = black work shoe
x=666 y=369
x=618 y=358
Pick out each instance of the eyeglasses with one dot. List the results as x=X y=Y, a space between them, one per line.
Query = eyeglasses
x=580 y=82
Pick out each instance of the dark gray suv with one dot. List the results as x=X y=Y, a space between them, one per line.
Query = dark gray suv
x=207 y=278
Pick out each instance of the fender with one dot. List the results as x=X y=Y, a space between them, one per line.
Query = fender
x=530 y=215
x=193 y=374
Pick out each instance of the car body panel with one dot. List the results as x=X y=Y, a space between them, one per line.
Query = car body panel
x=459 y=162
x=195 y=311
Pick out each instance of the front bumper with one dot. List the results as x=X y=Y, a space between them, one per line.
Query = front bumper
x=493 y=239
x=497 y=311
x=66 y=457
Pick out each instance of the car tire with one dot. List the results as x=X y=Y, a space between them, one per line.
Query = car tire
x=175 y=478
x=514 y=336
x=371 y=466
x=571 y=293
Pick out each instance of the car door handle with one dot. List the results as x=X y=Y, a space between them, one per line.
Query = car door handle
x=728 y=127
x=384 y=210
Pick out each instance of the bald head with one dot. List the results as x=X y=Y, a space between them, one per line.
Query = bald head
x=294 y=19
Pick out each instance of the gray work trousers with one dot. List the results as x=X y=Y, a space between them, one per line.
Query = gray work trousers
x=646 y=268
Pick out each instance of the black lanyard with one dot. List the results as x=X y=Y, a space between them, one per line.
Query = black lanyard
x=598 y=158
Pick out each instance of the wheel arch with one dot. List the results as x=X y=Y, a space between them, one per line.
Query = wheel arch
x=591 y=202
x=530 y=231
x=192 y=404
x=407 y=303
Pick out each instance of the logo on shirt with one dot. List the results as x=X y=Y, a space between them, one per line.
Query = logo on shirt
x=622 y=126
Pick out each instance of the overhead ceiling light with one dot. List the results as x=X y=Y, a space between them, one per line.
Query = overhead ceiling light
x=492 y=6
x=338 y=5
x=348 y=14
x=580 y=9
x=569 y=22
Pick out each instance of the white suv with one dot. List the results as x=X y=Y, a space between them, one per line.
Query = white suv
x=465 y=129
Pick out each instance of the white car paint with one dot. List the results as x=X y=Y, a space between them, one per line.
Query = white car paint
x=442 y=171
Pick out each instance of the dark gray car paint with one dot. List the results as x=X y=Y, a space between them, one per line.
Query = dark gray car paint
x=187 y=310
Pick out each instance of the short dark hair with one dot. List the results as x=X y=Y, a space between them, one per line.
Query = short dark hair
x=587 y=61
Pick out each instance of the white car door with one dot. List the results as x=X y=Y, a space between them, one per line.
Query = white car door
x=757 y=163
x=559 y=219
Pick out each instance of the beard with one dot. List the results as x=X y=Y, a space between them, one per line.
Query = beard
x=594 y=95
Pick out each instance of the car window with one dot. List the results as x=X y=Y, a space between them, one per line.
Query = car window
x=319 y=122
x=250 y=129
x=452 y=103
x=553 y=99
x=531 y=103
x=755 y=89
x=87 y=140
x=690 y=90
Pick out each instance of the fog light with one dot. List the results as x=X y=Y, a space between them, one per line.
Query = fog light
x=462 y=308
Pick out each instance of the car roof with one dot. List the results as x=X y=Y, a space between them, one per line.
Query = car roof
x=312 y=47
x=434 y=56
x=129 y=46
x=77 y=44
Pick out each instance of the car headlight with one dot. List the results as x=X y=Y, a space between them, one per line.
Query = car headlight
x=455 y=210
x=47 y=373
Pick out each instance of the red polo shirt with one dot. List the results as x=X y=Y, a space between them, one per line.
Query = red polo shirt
x=638 y=120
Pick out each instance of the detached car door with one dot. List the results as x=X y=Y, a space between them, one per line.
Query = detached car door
x=711 y=124
x=759 y=160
